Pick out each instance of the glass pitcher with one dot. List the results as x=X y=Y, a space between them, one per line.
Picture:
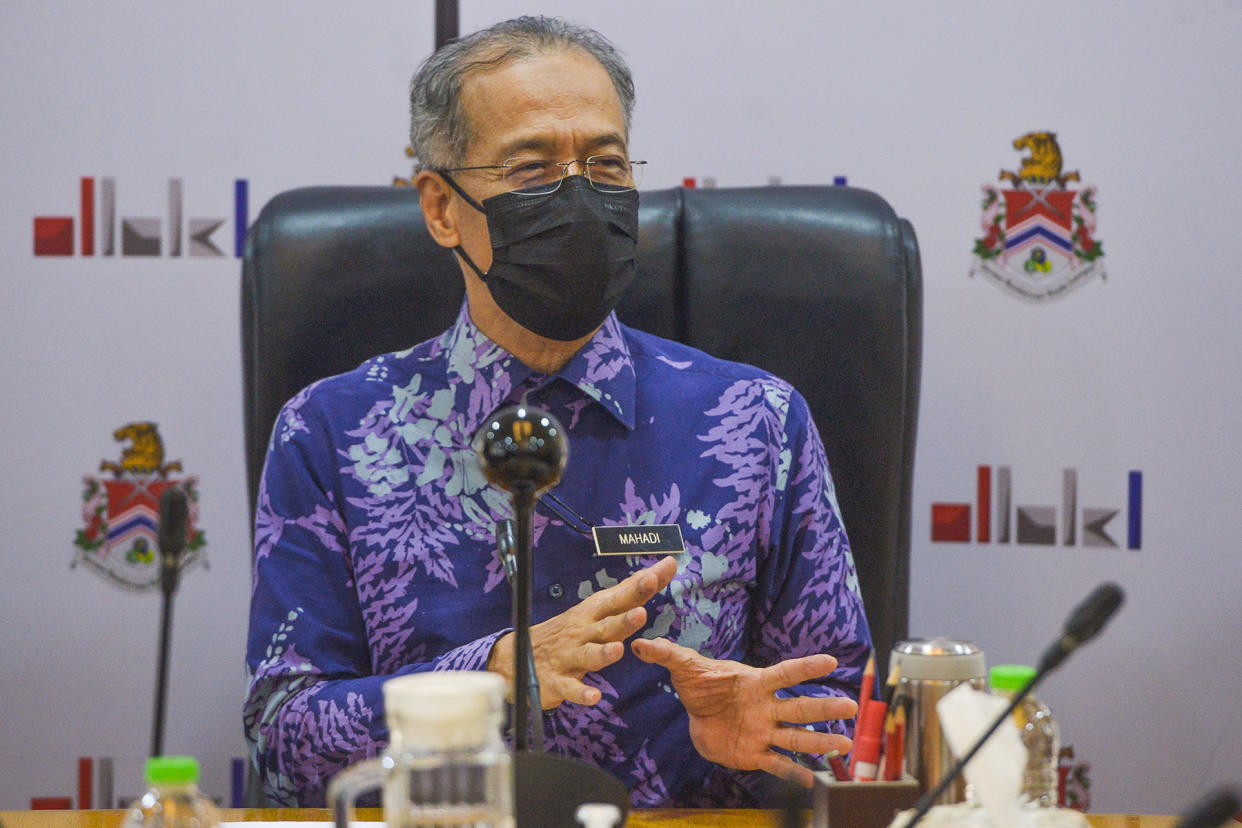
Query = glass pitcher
x=445 y=764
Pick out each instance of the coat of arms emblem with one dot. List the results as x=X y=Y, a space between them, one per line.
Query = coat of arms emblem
x=1039 y=234
x=121 y=513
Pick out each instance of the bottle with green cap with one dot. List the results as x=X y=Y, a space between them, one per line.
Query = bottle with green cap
x=172 y=799
x=1038 y=729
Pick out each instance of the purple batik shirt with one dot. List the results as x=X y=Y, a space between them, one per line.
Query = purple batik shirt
x=375 y=551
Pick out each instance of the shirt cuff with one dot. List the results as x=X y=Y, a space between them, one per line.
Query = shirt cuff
x=472 y=655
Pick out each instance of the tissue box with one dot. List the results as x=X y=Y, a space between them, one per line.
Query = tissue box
x=860 y=804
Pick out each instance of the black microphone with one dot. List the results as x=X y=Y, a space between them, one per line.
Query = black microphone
x=1083 y=624
x=522 y=450
x=1213 y=809
x=174 y=520
x=174 y=525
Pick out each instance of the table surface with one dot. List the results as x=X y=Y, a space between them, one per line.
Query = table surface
x=641 y=818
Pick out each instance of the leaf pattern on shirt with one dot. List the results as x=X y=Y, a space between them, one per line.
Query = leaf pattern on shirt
x=587 y=731
x=328 y=735
x=710 y=617
x=323 y=523
x=290 y=421
x=260 y=728
x=648 y=789
x=268 y=526
x=829 y=611
x=286 y=680
x=605 y=355
x=741 y=440
x=657 y=508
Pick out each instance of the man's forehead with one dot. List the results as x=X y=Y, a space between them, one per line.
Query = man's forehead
x=517 y=103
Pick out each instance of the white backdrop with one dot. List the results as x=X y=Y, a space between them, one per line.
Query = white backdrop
x=916 y=101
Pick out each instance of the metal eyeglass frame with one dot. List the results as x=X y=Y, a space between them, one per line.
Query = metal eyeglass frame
x=545 y=189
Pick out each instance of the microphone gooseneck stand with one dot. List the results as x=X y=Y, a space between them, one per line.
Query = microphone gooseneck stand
x=507 y=546
x=174 y=517
x=526 y=696
x=1086 y=620
x=523 y=451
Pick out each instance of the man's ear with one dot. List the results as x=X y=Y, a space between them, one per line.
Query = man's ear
x=434 y=196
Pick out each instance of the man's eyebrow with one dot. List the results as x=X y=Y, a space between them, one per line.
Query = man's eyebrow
x=524 y=145
x=544 y=146
x=607 y=140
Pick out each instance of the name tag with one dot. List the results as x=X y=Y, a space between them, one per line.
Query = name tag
x=663 y=538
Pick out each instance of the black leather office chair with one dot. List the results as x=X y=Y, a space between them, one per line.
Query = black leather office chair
x=819 y=285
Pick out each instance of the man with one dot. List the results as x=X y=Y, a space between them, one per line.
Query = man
x=375 y=541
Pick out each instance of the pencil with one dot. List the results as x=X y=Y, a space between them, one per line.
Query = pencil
x=890 y=686
x=895 y=745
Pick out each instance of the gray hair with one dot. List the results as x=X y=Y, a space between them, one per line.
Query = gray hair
x=439 y=130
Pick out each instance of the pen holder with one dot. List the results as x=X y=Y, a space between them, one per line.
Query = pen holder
x=860 y=804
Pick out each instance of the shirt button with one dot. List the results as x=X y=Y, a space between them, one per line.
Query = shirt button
x=555 y=591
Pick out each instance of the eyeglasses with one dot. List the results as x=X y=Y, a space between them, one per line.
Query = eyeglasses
x=539 y=176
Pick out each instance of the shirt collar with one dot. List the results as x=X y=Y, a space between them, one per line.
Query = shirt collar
x=604 y=371
x=485 y=375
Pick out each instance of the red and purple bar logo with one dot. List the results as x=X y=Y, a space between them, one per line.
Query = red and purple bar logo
x=138 y=235
x=993 y=515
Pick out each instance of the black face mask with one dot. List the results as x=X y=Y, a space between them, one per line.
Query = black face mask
x=560 y=261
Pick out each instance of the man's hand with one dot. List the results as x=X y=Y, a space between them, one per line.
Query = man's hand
x=735 y=717
x=585 y=638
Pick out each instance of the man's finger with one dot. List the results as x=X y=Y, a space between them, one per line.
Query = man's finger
x=595 y=657
x=801 y=740
x=635 y=590
x=665 y=653
x=619 y=627
x=786 y=768
x=809 y=709
x=797 y=670
x=571 y=690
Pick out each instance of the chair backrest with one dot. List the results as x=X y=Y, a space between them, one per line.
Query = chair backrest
x=821 y=286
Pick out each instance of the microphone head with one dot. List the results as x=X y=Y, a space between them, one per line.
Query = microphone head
x=174 y=520
x=1083 y=624
x=1088 y=618
x=522 y=447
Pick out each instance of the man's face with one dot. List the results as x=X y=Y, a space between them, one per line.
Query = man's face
x=561 y=106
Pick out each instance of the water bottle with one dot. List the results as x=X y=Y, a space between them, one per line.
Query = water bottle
x=172 y=799
x=1039 y=733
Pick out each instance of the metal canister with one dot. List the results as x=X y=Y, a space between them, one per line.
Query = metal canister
x=930 y=668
